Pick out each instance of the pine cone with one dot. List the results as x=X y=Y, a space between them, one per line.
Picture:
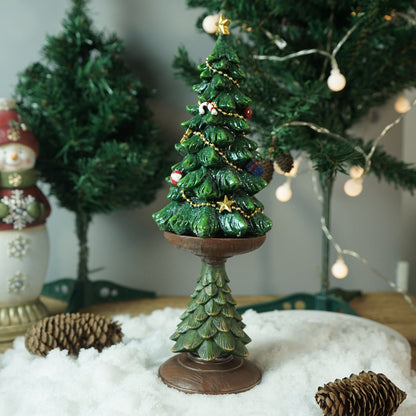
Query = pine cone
x=284 y=161
x=72 y=332
x=366 y=394
x=268 y=170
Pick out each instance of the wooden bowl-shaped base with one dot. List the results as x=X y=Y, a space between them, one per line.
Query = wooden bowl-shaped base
x=188 y=373
x=214 y=250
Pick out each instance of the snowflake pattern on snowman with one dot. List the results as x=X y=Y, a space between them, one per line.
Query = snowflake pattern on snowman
x=18 y=247
x=17 y=206
x=18 y=283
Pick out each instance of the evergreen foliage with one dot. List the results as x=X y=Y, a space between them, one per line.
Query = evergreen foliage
x=378 y=61
x=88 y=111
x=211 y=326
x=215 y=196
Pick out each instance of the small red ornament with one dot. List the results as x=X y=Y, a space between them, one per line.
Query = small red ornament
x=248 y=112
x=175 y=177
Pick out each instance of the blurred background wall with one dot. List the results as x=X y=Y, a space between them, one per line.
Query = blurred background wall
x=380 y=224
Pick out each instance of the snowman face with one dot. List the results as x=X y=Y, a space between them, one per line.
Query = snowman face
x=16 y=157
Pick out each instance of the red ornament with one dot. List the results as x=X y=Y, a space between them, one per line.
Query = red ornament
x=248 y=112
x=175 y=177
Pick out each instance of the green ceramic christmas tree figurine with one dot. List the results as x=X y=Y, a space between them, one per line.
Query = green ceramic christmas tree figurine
x=213 y=186
x=214 y=214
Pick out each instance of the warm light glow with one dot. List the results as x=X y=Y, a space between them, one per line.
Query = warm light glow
x=356 y=172
x=339 y=269
x=353 y=187
x=402 y=104
x=336 y=81
x=210 y=23
x=284 y=192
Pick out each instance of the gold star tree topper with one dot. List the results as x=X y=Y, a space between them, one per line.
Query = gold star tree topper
x=223 y=24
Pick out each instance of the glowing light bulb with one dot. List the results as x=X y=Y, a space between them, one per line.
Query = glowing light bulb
x=353 y=187
x=336 y=81
x=210 y=23
x=284 y=192
x=339 y=269
x=356 y=172
x=402 y=104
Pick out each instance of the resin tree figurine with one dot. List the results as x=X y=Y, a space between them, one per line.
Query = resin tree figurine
x=99 y=152
x=213 y=211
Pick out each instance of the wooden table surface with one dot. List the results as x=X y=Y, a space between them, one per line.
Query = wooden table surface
x=388 y=308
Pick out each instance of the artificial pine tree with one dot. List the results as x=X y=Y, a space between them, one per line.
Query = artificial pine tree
x=214 y=214
x=97 y=139
x=292 y=52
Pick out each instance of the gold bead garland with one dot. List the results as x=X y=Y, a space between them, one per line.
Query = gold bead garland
x=208 y=143
x=221 y=73
x=227 y=205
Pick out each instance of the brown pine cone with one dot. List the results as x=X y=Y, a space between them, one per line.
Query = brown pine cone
x=366 y=394
x=72 y=332
x=284 y=161
x=268 y=170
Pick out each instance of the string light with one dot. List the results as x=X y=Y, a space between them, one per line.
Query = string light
x=357 y=256
x=353 y=187
x=356 y=172
x=319 y=129
x=284 y=192
x=339 y=269
x=402 y=104
x=336 y=81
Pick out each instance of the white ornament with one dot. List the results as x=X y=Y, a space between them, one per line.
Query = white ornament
x=18 y=283
x=18 y=204
x=353 y=187
x=18 y=247
x=339 y=268
x=210 y=23
x=284 y=192
x=336 y=81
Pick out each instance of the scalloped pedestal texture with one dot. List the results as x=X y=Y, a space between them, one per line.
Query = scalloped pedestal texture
x=228 y=374
x=15 y=320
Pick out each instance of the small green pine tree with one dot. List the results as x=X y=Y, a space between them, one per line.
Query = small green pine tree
x=89 y=114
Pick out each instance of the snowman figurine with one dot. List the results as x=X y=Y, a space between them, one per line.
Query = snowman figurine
x=24 y=242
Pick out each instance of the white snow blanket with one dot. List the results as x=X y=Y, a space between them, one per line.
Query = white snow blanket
x=297 y=351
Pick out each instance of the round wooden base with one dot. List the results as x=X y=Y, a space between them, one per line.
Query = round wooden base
x=190 y=374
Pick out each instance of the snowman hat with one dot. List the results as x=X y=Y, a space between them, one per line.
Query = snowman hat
x=13 y=129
